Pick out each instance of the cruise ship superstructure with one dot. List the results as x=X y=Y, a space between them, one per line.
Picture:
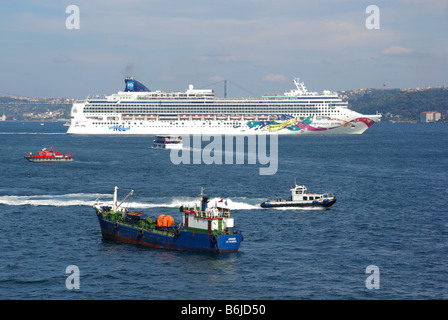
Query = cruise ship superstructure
x=137 y=110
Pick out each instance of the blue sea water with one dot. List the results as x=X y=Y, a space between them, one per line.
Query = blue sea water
x=391 y=185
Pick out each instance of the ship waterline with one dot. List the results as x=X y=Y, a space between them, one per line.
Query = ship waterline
x=139 y=111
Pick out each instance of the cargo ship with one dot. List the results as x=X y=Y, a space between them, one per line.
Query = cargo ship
x=49 y=155
x=203 y=227
x=140 y=111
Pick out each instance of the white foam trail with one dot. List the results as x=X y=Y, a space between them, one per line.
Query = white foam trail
x=72 y=199
x=176 y=203
x=235 y=204
x=33 y=133
x=231 y=204
x=88 y=199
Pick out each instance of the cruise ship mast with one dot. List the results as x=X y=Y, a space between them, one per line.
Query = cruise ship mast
x=300 y=90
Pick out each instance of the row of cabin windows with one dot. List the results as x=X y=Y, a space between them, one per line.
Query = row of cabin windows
x=171 y=123
x=207 y=110
x=312 y=198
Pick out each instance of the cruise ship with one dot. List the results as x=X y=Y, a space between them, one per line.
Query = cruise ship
x=140 y=111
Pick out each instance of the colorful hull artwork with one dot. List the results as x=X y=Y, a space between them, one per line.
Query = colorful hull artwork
x=311 y=124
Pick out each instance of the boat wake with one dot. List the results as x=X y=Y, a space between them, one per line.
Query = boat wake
x=88 y=199
x=236 y=204
x=33 y=133
x=72 y=199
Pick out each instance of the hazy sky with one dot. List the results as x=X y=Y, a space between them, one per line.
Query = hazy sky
x=260 y=45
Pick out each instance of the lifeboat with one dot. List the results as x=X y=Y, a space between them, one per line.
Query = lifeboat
x=165 y=221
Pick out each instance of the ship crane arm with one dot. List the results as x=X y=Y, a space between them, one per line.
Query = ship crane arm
x=115 y=205
x=128 y=196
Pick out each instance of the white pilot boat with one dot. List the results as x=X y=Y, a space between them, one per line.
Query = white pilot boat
x=302 y=199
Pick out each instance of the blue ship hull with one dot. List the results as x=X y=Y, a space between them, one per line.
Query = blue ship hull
x=177 y=238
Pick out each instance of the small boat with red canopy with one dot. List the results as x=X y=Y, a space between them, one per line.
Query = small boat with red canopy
x=49 y=155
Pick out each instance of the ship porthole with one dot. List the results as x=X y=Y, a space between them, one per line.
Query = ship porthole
x=215 y=239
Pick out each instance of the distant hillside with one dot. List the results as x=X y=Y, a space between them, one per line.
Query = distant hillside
x=398 y=104
x=28 y=109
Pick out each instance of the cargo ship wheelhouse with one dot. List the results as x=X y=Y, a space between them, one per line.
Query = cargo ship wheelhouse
x=137 y=110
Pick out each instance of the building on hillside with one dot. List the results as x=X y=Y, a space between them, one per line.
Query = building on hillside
x=430 y=116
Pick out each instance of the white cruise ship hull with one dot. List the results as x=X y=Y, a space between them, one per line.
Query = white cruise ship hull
x=215 y=128
x=139 y=111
